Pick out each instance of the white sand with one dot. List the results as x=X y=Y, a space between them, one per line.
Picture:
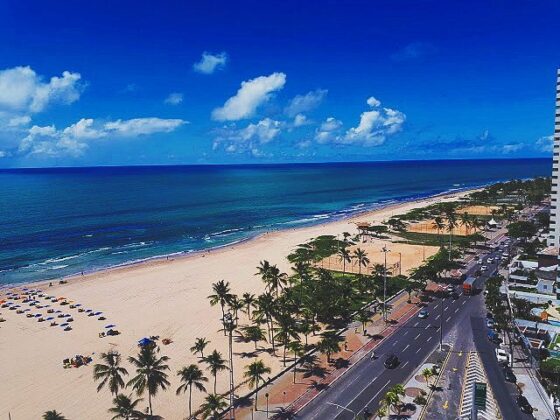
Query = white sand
x=165 y=298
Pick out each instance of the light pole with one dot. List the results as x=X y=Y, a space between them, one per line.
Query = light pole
x=229 y=324
x=266 y=395
x=400 y=263
x=385 y=250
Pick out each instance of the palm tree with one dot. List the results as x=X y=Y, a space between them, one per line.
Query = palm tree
x=329 y=344
x=344 y=257
x=199 y=346
x=53 y=415
x=235 y=305
x=266 y=306
x=451 y=224
x=427 y=373
x=275 y=280
x=221 y=296
x=191 y=375
x=110 y=373
x=213 y=404
x=286 y=330
x=364 y=317
x=361 y=257
x=382 y=410
x=439 y=224
x=253 y=333
x=150 y=373
x=297 y=348
x=466 y=221
x=125 y=408
x=393 y=397
x=254 y=372
x=249 y=301
x=216 y=363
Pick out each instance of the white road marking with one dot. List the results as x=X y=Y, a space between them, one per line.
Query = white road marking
x=371 y=382
x=415 y=324
x=427 y=326
x=419 y=348
x=407 y=346
x=405 y=333
x=377 y=393
x=448 y=319
x=456 y=310
x=464 y=302
x=437 y=317
x=436 y=306
x=416 y=338
x=394 y=343
x=405 y=363
x=429 y=338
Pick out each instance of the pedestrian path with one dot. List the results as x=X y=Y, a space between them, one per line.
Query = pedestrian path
x=475 y=373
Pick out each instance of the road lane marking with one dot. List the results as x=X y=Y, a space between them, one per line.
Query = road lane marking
x=405 y=333
x=357 y=396
x=405 y=363
x=395 y=343
x=407 y=346
x=456 y=310
x=416 y=338
x=437 y=317
x=464 y=302
x=429 y=338
x=415 y=324
x=427 y=326
x=436 y=306
x=448 y=319
x=378 y=392
x=419 y=348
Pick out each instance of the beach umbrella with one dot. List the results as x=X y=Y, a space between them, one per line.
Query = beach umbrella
x=37 y=315
x=88 y=310
x=78 y=304
x=64 y=325
x=98 y=313
x=110 y=326
x=145 y=342
x=50 y=318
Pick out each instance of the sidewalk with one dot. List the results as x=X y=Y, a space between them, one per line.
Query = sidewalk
x=286 y=396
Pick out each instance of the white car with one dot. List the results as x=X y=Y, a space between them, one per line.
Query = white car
x=503 y=356
x=490 y=323
x=490 y=260
x=483 y=268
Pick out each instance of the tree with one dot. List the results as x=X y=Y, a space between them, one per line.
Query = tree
x=150 y=373
x=363 y=316
x=221 y=296
x=329 y=344
x=361 y=257
x=125 y=408
x=111 y=373
x=53 y=415
x=216 y=363
x=297 y=348
x=189 y=376
x=466 y=221
x=266 y=307
x=439 y=224
x=393 y=397
x=235 y=305
x=254 y=373
x=344 y=257
x=286 y=330
x=249 y=301
x=253 y=333
x=213 y=404
x=199 y=346
x=522 y=230
x=427 y=373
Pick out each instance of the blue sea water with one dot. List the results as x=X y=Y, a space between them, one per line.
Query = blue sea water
x=59 y=222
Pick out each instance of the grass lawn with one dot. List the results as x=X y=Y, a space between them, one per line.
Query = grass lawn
x=416 y=238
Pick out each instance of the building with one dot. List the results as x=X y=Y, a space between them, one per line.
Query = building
x=554 y=231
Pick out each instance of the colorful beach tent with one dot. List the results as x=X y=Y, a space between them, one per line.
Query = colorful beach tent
x=145 y=342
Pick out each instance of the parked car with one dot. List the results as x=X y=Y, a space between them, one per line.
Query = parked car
x=391 y=362
x=509 y=375
x=489 y=315
x=524 y=404
x=423 y=314
x=483 y=268
x=490 y=260
x=490 y=323
x=503 y=356
x=450 y=288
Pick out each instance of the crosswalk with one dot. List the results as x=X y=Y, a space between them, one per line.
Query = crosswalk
x=474 y=372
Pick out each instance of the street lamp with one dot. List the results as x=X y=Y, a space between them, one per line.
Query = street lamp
x=229 y=325
x=266 y=395
x=385 y=250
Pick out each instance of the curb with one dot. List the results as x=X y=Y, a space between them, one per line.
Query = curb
x=443 y=365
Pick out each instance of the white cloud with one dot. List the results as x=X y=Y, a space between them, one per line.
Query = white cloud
x=19 y=121
x=300 y=120
x=328 y=131
x=246 y=139
x=74 y=139
x=174 y=98
x=372 y=130
x=209 y=63
x=3 y=154
x=373 y=102
x=249 y=97
x=22 y=90
x=546 y=143
x=305 y=103
x=512 y=148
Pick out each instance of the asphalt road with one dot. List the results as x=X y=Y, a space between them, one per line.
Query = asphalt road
x=365 y=384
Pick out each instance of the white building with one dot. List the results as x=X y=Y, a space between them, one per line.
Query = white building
x=554 y=232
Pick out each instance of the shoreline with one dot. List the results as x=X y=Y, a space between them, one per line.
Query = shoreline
x=164 y=259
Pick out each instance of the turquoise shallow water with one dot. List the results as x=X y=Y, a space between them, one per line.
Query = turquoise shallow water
x=58 y=222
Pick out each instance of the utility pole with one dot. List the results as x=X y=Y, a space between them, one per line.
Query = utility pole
x=385 y=250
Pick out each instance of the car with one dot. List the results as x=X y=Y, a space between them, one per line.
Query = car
x=503 y=356
x=391 y=362
x=450 y=288
x=505 y=255
x=454 y=295
x=489 y=315
x=490 y=323
x=509 y=375
x=524 y=404
x=423 y=314
x=483 y=268
x=490 y=260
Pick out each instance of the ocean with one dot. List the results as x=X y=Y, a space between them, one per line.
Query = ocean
x=59 y=222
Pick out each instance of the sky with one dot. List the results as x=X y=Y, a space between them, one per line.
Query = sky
x=221 y=82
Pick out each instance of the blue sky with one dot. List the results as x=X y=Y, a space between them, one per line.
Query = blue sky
x=109 y=83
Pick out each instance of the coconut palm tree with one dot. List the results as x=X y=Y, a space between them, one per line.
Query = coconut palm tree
x=286 y=331
x=329 y=344
x=439 y=224
x=235 y=305
x=345 y=257
x=199 y=346
x=253 y=333
x=53 y=415
x=254 y=373
x=216 y=363
x=466 y=221
x=150 y=373
x=266 y=307
x=221 y=296
x=249 y=301
x=110 y=373
x=189 y=376
x=393 y=397
x=451 y=224
x=361 y=257
x=298 y=350
x=363 y=316
x=125 y=408
x=276 y=280
x=427 y=373
x=213 y=404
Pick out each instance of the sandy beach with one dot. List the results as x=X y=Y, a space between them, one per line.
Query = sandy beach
x=160 y=297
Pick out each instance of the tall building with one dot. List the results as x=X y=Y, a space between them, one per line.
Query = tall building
x=554 y=231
